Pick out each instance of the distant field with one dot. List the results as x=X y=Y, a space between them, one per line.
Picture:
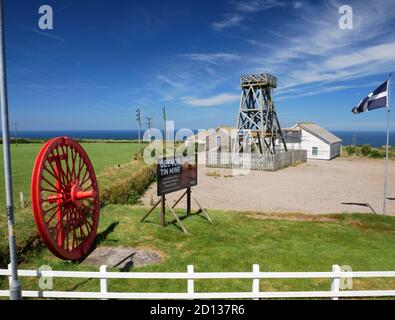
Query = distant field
x=102 y=155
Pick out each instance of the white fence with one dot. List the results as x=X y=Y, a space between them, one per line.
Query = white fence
x=265 y=162
x=334 y=292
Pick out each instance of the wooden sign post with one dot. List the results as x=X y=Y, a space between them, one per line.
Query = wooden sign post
x=174 y=174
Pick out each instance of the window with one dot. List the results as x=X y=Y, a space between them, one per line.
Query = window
x=314 y=151
x=218 y=141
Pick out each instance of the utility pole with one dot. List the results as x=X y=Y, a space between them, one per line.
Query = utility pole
x=149 y=124
x=138 y=120
x=15 y=287
x=16 y=133
x=164 y=132
x=354 y=140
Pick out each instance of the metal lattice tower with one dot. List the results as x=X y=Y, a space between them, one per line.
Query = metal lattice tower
x=258 y=126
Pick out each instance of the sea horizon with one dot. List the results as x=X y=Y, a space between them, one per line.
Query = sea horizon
x=373 y=138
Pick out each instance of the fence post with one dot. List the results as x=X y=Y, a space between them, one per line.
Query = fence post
x=9 y=271
x=255 y=281
x=21 y=200
x=335 y=287
x=103 y=281
x=191 y=282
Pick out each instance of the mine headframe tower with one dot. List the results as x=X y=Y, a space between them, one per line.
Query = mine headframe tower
x=258 y=127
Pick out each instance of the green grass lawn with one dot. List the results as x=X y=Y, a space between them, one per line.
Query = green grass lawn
x=234 y=242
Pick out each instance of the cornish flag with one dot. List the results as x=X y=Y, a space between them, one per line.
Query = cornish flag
x=375 y=100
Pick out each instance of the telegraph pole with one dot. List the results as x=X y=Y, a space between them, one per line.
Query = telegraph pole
x=15 y=287
x=149 y=124
x=164 y=133
x=138 y=120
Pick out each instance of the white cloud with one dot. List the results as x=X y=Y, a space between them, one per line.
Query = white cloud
x=217 y=100
x=212 y=58
x=310 y=56
x=227 y=21
x=258 y=5
x=169 y=81
x=46 y=34
x=379 y=53
x=243 y=8
x=318 y=52
x=305 y=92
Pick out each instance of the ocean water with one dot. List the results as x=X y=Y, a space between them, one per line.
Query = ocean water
x=374 y=138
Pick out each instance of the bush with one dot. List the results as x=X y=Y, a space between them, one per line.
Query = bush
x=350 y=150
x=377 y=154
x=366 y=150
x=130 y=190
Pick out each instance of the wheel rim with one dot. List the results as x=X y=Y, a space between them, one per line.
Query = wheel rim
x=65 y=198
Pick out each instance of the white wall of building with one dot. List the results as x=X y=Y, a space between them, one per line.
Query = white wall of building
x=316 y=148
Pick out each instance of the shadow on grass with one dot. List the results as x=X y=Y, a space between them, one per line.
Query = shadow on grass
x=186 y=216
x=100 y=237
x=361 y=204
x=32 y=245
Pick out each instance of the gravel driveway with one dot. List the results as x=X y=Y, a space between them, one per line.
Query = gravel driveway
x=317 y=186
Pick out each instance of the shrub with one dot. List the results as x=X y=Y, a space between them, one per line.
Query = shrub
x=377 y=154
x=350 y=150
x=366 y=150
x=129 y=190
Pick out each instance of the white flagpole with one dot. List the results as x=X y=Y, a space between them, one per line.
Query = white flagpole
x=387 y=146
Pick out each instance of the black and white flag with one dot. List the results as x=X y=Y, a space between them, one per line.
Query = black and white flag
x=375 y=100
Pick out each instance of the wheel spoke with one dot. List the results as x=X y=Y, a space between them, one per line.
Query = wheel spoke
x=81 y=165
x=83 y=179
x=53 y=175
x=53 y=216
x=50 y=209
x=50 y=190
x=66 y=161
x=60 y=167
x=56 y=188
x=74 y=158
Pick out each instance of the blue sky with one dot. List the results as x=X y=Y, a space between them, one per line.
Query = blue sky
x=104 y=59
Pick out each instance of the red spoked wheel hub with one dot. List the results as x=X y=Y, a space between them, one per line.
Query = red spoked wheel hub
x=65 y=198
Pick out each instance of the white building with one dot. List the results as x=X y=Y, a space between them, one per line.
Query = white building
x=319 y=142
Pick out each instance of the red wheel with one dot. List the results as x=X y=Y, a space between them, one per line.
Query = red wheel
x=65 y=198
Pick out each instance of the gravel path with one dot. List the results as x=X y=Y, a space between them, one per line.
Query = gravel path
x=317 y=186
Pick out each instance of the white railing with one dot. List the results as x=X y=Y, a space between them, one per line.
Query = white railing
x=336 y=275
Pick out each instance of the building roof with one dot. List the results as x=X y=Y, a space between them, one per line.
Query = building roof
x=228 y=128
x=319 y=132
x=201 y=134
